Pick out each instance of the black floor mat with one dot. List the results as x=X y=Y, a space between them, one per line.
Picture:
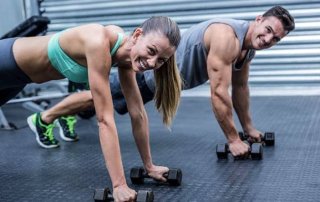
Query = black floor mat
x=289 y=171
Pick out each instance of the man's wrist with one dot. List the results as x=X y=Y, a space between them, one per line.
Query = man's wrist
x=248 y=128
x=233 y=139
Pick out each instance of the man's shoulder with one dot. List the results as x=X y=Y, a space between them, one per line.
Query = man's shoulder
x=220 y=32
x=225 y=24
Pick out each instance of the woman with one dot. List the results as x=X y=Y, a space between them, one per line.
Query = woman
x=86 y=54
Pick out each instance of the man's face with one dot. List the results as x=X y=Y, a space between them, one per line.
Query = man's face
x=268 y=31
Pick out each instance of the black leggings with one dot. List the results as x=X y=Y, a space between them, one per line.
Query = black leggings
x=12 y=78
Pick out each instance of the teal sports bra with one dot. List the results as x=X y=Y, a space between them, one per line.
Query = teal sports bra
x=66 y=65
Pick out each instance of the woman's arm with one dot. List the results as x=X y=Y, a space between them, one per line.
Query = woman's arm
x=139 y=122
x=99 y=64
x=138 y=115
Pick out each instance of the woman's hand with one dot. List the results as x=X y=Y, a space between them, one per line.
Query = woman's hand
x=124 y=193
x=157 y=172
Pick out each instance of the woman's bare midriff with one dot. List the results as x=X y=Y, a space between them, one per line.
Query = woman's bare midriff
x=31 y=55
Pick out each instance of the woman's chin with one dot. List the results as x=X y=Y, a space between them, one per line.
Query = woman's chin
x=135 y=69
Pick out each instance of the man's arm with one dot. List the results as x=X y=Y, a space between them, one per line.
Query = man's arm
x=224 y=49
x=240 y=96
x=241 y=100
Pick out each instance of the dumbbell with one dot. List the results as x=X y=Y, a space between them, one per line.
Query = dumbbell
x=255 y=151
x=105 y=195
x=174 y=176
x=268 y=138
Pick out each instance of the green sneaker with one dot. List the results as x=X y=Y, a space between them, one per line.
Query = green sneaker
x=43 y=132
x=66 y=128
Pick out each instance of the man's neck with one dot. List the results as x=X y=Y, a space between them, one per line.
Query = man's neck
x=247 y=40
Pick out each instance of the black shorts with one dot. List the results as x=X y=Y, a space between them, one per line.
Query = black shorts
x=12 y=78
x=119 y=102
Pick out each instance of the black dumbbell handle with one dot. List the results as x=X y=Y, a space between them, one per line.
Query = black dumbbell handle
x=265 y=138
x=249 y=150
x=109 y=197
x=246 y=136
x=145 y=174
x=228 y=150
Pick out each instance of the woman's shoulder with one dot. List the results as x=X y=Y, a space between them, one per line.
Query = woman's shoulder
x=86 y=27
x=85 y=31
x=113 y=29
x=95 y=29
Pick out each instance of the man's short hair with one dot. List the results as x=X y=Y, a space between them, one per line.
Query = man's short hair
x=283 y=15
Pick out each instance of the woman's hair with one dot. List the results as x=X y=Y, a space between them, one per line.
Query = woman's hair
x=167 y=77
x=283 y=15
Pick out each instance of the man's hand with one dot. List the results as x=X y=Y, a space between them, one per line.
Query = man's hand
x=157 y=172
x=254 y=135
x=239 y=148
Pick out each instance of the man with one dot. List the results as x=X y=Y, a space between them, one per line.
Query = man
x=218 y=50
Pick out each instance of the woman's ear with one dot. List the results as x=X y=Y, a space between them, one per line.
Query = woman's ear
x=137 y=33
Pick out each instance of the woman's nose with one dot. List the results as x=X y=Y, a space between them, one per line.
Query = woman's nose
x=152 y=62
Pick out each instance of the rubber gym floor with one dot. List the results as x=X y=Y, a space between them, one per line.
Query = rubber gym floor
x=290 y=171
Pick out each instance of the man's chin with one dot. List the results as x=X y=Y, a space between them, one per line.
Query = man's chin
x=258 y=47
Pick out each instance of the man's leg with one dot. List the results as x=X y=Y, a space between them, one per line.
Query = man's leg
x=119 y=102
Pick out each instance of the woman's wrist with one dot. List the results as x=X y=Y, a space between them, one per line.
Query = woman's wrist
x=119 y=182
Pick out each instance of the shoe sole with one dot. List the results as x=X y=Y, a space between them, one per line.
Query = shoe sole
x=34 y=130
x=65 y=138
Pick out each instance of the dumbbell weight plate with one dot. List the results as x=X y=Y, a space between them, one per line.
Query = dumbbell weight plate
x=222 y=151
x=174 y=177
x=145 y=196
x=136 y=175
x=242 y=136
x=269 y=138
x=256 y=151
x=102 y=195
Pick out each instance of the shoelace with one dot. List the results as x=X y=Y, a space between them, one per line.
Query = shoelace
x=49 y=128
x=71 y=120
x=49 y=132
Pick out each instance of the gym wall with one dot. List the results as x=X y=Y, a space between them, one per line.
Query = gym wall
x=11 y=14
x=293 y=62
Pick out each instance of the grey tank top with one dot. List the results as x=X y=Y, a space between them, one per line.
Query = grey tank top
x=191 y=53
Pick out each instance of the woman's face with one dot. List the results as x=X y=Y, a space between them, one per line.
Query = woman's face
x=150 y=51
